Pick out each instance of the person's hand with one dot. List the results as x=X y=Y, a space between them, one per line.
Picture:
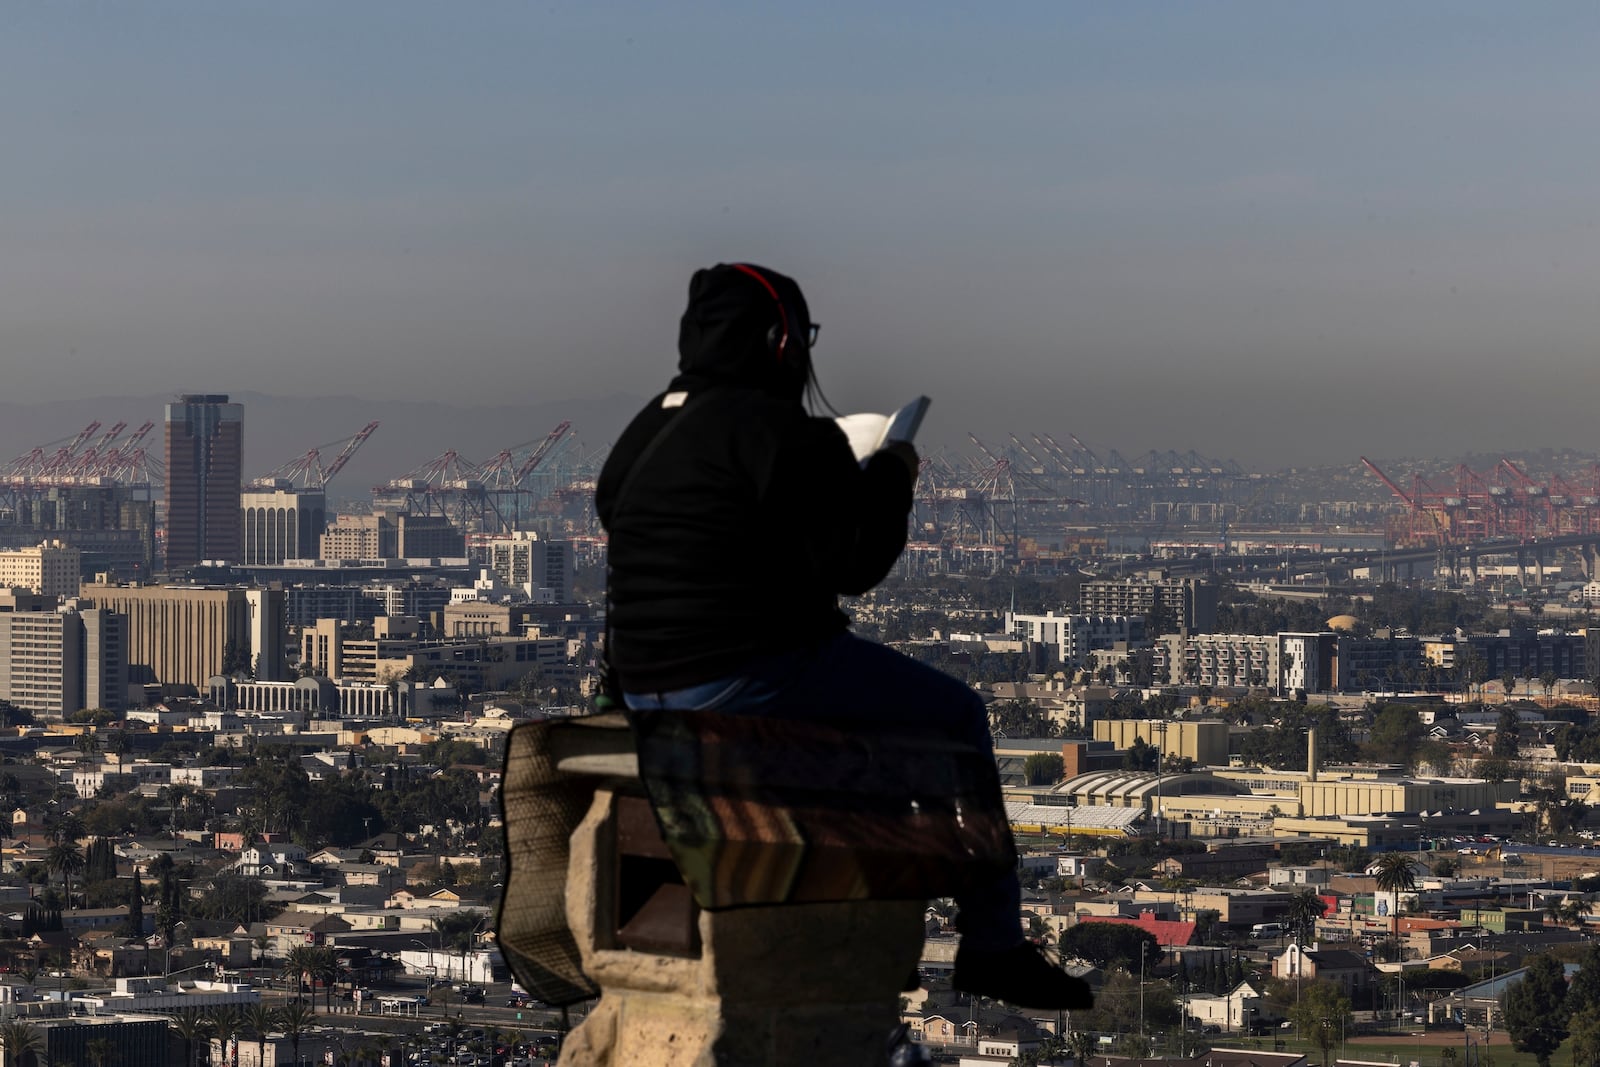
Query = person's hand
x=906 y=453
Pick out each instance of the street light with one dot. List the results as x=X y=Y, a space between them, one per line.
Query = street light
x=431 y=969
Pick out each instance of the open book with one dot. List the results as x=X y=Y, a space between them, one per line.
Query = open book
x=868 y=432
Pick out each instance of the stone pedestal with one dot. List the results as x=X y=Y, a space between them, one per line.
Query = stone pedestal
x=793 y=986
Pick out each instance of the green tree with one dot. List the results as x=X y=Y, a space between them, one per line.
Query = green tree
x=457 y=930
x=1584 y=991
x=22 y=1042
x=259 y=1021
x=299 y=966
x=1110 y=944
x=1305 y=908
x=134 y=926
x=1321 y=1014
x=1507 y=735
x=226 y=1025
x=294 y=1021
x=1493 y=769
x=1585 y=1027
x=190 y=1026
x=234 y=898
x=1397 y=730
x=1139 y=756
x=1396 y=875
x=65 y=858
x=100 y=1051
x=1043 y=768
x=1535 y=1009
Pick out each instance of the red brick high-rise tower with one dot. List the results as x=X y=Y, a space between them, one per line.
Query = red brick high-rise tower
x=205 y=456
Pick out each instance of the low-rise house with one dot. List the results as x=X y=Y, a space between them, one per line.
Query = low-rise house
x=275 y=860
x=1233 y=1011
x=1350 y=972
x=109 y=955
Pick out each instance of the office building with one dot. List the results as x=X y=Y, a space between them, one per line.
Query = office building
x=51 y=569
x=308 y=603
x=392 y=535
x=112 y=525
x=204 y=457
x=423 y=599
x=184 y=635
x=540 y=568
x=281 y=523
x=428 y=537
x=58 y=662
x=394 y=648
x=359 y=537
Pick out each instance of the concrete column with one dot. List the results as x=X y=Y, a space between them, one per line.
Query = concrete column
x=792 y=986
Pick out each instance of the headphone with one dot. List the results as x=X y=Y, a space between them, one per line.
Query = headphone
x=778 y=336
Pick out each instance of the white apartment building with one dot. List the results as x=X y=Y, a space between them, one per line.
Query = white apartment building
x=1071 y=638
x=1281 y=662
x=51 y=568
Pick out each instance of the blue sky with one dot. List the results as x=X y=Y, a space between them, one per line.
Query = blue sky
x=1281 y=233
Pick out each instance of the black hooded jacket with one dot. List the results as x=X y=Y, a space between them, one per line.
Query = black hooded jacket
x=747 y=520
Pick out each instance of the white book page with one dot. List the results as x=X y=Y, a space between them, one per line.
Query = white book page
x=868 y=432
x=864 y=431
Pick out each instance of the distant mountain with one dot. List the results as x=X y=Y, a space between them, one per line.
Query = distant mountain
x=278 y=429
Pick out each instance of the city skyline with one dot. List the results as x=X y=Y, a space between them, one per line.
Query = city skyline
x=1277 y=235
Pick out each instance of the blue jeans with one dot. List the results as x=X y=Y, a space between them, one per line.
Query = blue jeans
x=849 y=678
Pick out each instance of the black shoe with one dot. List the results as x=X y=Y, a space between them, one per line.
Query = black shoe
x=1020 y=976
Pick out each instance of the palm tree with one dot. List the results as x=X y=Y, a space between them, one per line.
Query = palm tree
x=260 y=1021
x=20 y=1040
x=118 y=743
x=325 y=968
x=299 y=965
x=1575 y=909
x=190 y=1026
x=100 y=1051
x=295 y=1020
x=66 y=859
x=227 y=1024
x=1395 y=875
x=1305 y=908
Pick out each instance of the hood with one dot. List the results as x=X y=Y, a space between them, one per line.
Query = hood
x=733 y=331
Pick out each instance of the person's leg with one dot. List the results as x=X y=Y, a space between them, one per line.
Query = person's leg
x=853 y=679
x=850 y=678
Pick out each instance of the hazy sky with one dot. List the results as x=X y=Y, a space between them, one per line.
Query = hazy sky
x=1277 y=232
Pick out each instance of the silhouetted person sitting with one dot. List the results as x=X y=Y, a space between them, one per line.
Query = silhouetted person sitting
x=736 y=520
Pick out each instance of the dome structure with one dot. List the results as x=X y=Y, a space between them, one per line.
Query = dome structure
x=1343 y=623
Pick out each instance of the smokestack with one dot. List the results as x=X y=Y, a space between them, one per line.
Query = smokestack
x=1311 y=753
